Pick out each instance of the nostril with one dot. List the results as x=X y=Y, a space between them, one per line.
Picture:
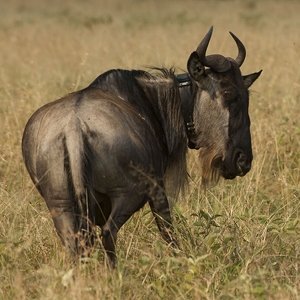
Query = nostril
x=241 y=157
x=243 y=163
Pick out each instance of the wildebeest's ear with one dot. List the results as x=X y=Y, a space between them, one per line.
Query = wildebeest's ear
x=249 y=79
x=195 y=67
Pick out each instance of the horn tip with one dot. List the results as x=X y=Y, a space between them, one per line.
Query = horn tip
x=233 y=35
x=209 y=32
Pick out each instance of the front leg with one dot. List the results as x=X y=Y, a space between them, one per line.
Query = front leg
x=161 y=210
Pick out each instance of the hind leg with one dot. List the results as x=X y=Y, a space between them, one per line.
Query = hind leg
x=123 y=207
x=75 y=231
x=63 y=216
x=102 y=208
x=54 y=184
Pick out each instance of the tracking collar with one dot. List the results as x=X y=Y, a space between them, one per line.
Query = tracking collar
x=187 y=107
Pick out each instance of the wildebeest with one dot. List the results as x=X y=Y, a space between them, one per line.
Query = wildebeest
x=99 y=154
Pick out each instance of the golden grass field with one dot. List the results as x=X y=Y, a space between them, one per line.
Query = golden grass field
x=240 y=239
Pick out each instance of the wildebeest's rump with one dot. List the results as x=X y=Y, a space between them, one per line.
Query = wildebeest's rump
x=98 y=155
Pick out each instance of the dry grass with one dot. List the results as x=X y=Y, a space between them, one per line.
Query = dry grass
x=239 y=239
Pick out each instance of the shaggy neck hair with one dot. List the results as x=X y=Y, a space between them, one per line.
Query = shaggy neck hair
x=162 y=89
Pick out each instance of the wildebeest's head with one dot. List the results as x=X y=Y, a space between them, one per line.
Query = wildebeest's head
x=222 y=123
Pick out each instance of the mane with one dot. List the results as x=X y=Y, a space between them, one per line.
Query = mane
x=155 y=94
x=161 y=85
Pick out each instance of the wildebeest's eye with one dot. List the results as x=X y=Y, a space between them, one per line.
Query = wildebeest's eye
x=229 y=95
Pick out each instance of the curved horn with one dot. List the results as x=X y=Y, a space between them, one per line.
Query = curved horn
x=201 y=50
x=242 y=50
x=216 y=62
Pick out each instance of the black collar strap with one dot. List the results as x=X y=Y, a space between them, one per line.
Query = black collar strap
x=183 y=80
x=187 y=107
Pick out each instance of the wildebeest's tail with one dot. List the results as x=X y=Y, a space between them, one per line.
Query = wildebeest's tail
x=75 y=156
